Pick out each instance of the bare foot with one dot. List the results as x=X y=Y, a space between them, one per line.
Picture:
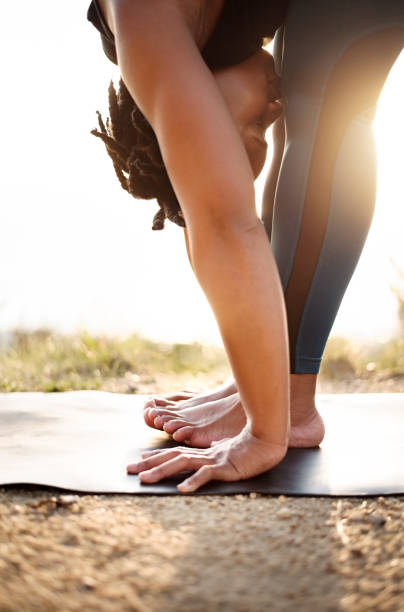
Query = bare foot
x=201 y=422
x=187 y=399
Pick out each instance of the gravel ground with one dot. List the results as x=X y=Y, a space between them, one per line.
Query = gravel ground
x=239 y=553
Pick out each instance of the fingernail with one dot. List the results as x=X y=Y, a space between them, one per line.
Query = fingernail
x=152 y=412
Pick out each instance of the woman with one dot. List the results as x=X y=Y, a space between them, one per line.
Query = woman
x=318 y=202
x=202 y=148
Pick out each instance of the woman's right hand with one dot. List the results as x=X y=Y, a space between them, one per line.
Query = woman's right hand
x=232 y=459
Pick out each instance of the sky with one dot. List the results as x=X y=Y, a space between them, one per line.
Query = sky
x=78 y=253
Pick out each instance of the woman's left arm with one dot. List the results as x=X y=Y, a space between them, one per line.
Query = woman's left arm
x=230 y=252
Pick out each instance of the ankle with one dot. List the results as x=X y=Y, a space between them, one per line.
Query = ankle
x=303 y=384
x=302 y=398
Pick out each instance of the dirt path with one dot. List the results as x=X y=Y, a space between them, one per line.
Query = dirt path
x=243 y=553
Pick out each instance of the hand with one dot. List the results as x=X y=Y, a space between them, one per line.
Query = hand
x=231 y=459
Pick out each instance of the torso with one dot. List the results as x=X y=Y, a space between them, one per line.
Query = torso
x=200 y=15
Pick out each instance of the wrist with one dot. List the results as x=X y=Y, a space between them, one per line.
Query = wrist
x=267 y=436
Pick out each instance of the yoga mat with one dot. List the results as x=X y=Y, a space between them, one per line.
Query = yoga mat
x=83 y=440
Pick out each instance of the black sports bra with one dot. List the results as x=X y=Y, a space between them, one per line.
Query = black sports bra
x=238 y=34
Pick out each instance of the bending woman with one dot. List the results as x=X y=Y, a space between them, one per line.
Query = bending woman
x=333 y=59
x=211 y=150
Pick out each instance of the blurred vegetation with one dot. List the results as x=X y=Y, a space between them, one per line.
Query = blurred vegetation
x=45 y=361
x=378 y=361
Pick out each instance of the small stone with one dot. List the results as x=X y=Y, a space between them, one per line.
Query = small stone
x=88 y=582
x=377 y=519
x=282 y=499
x=356 y=552
x=240 y=497
x=67 y=500
x=283 y=514
x=253 y=495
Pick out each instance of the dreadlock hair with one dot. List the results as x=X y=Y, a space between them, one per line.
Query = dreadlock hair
x=132 y=145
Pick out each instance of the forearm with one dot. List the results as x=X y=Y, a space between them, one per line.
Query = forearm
x=188 y=248
x=237 y=272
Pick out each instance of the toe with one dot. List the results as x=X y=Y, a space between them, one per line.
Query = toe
x=183 y=434
x=162 y=401
x=184 y=395
x=192 y=436
x=148 y=419
x=172 y=425
x=165 y=412
x=159 y=420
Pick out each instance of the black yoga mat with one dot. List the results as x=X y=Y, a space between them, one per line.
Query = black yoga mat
x=83 y=440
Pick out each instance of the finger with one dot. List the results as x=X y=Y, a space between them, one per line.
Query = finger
x=275 y=107
x=274 y=111
x=201 y=477
x=275 y=85
x=151 y=461
x=179 y=449
x=171 y=467
x=155 y=451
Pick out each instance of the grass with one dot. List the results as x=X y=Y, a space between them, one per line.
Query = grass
x=45 y=361
x=344 y=359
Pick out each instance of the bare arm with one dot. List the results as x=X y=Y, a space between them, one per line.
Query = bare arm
x=209 y=169
x=188 y=248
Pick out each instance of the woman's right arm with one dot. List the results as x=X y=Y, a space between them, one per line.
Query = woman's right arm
x=211 y=175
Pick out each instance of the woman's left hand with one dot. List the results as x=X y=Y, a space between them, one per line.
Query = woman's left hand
x=231 y=459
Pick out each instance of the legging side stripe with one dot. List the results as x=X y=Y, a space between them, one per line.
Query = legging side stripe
x=353 y=86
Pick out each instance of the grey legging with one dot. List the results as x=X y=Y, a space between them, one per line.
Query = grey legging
x=319 y=197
